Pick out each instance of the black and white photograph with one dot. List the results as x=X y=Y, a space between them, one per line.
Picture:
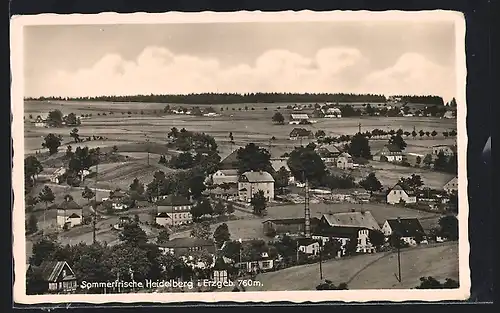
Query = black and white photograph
x=242 y=156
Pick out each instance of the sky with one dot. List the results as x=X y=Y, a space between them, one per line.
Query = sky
x=381 y=57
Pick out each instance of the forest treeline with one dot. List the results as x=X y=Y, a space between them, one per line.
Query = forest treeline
x=233 y=98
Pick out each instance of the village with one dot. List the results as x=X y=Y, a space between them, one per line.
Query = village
x=239 y=217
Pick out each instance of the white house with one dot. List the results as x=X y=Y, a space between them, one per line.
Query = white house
x=40 y=122
x=398 y=193
x=333 y=113
x=410 y=229
x=299 y=117
x=264 y=262
x=69 y=213
x=225 y=177
x=447 y=150
x=389 y=153
x=345 y=161
x=308 y=246
x=251 y=182
x=452 y=185
x=173 y=210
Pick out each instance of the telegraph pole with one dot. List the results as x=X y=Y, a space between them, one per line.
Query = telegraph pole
x=359 y=128
x=94 y=218
x=307 y=211
x=320 y=263
x=399 y=263
x=147 y=148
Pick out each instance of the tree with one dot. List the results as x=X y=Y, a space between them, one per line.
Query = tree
x=259 y=203
x=43 y=250
x=137 y=186
x=182 y=161
x=432 y=283
x=371 y=183
x=427 y=160
x=398 y=141
x=220 y=208
x=46 y=196
x=418 y=160
x=421 y=133
x=320 y=134
x=377 y=238
x=133 y=234
x=163 y=236
x=52 y=142
x=197 y=186
x=278 y=118
x=82 y=160
x=30 y=202
x=414 y=134
x=32 y=225
x=329 y=285
x=281 y=178
x=55 y=118
x=359 y=147
x=74 y=134
x=449 y=227
x=230 y=208
x=129 y=262
x=231 y=138
x=428 y=133
x=251 y=157
x=306 y=164
x=412 y=182
x=88 y=194
x=441 y=161
x=221 y=234
x=72 y=120
x=201 y=230
x=32 y=167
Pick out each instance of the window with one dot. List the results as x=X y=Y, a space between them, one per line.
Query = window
x=359 y=241
x=266 y=264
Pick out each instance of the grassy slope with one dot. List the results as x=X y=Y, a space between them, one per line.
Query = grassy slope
x=369 y=271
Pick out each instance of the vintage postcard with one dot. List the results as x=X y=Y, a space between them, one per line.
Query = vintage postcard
x=246 y=156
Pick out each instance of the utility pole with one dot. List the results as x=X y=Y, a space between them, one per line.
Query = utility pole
x=147 y=148
x=399 y=263
x=307 y=211
x=359 y=128
x=94 y=218
x=320 y=263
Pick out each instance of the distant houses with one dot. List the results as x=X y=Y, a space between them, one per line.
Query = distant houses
x=447 y=150
x=452 y=185
x=398 y=194
x=389 y=153
x=173 y=211
x=300 y=133
x=251 y=182
x=408 y=229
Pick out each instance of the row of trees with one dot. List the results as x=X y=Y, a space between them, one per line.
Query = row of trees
x=231 y=98
x=185 y=140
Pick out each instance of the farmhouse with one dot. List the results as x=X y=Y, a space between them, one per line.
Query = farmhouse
x=225 y=177
x=54 y=175
x=251 y=182
x=56 y=276
x=69 y=213
x=328 y=153
x=353 y=195
x=187 y=246
x=447 y=150
x=345 y=161
x=173 y=210
x=39 y=122
x=389 y=153
x=287 y=226
x=229 y=193
x=362 y=219
x=255 y=262
x=398 y=194
x=452 y=185
x=410 y=229
x=278 y=163
x=116 y=198
x=333 y=113
x=344 y=235
x=297 y=118
x=308 y=246
x=300 y=133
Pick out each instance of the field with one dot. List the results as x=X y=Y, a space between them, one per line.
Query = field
x=373 y=271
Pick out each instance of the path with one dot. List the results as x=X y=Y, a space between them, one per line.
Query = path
x=52 y=185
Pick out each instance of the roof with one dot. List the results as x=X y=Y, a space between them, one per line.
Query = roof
x=452 y=181
x=338 y=232
x=392 y=148
x=278 y=163
x=52 y=269
x=173 y=200
x=407 y=227
x=300 y=132
x=117 y=194
x=230 y=161
x=50 y=171
x=332 y=148
x=186 y=242
x=292 y=221
x=74 y=215
x=345 y=155
x=352 y=219
x=230 y=172
x=399 y=187
x=69 y=205
x=258 y=177
x=300 y=116
x=163 y=214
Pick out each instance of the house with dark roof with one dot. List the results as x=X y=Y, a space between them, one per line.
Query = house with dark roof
x=57 y=277
x=328 y=153
x=344 y=161
x=287 y=226
x=452 y=185
x=410 y=229
x=398 y=194
x=255 y=255
x=389 y=153
x=117 y=198
x=186 y=246
x=173 y=210
x=301 y=133
x=252 y=182
x=230 y=162
x=69 y=213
